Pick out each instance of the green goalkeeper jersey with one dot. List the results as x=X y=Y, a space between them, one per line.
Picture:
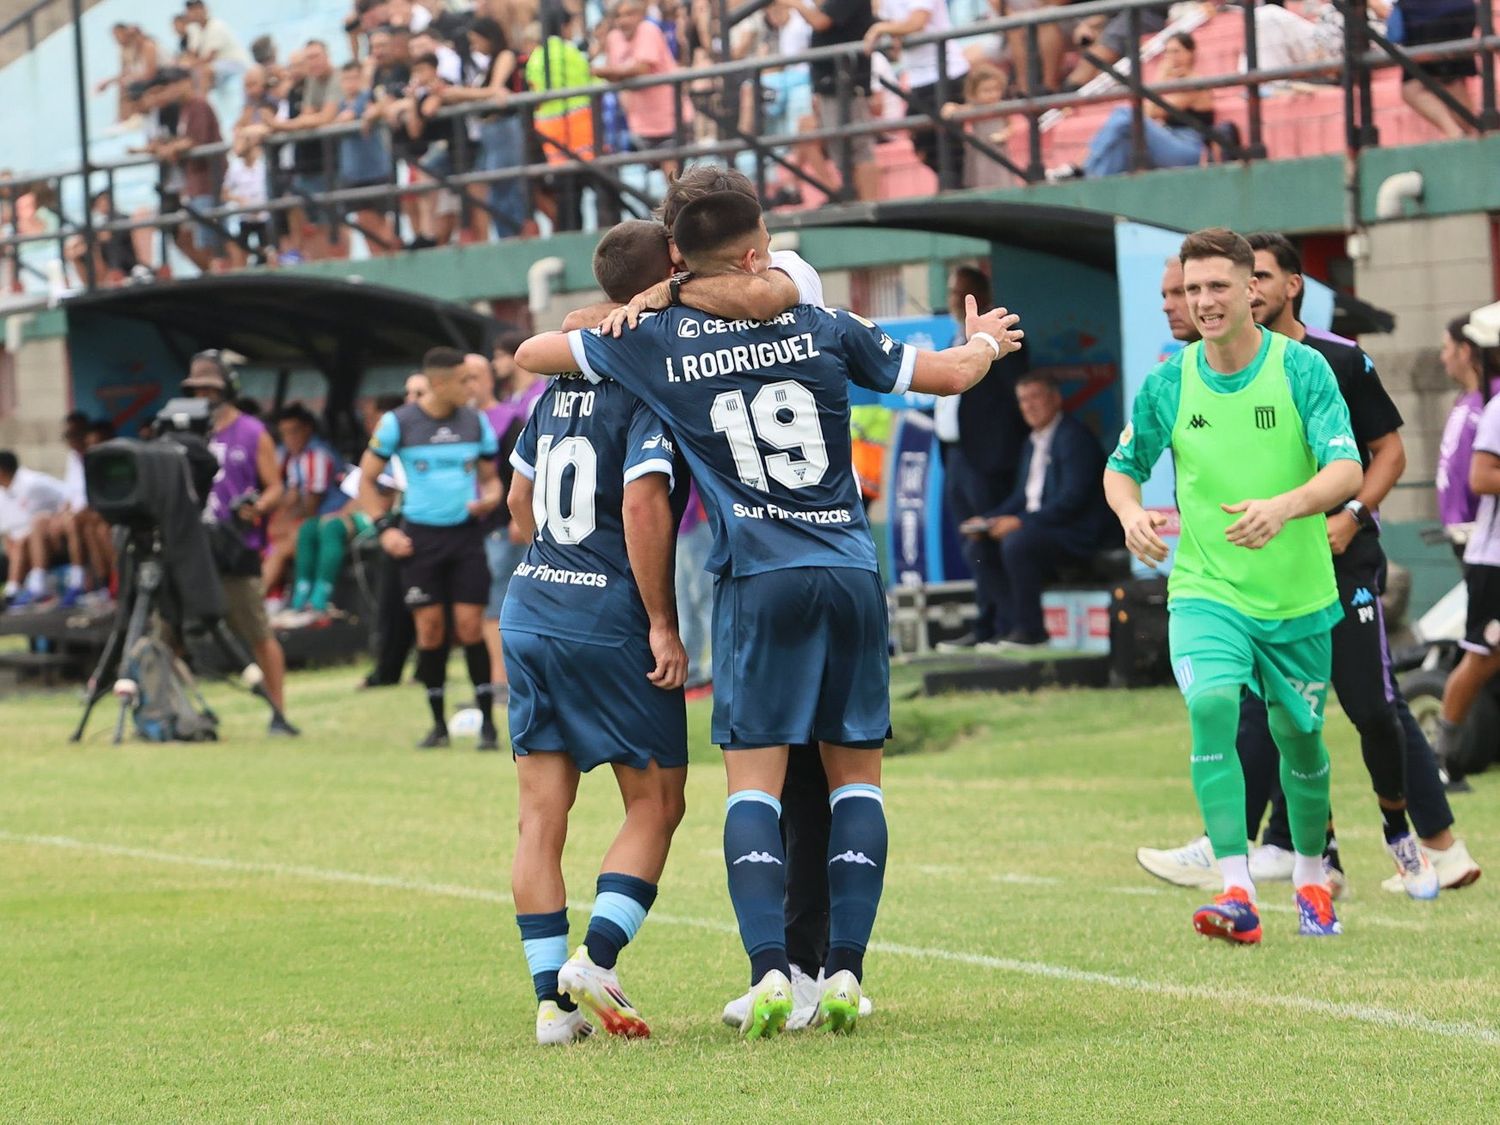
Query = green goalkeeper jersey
x=1246 y=435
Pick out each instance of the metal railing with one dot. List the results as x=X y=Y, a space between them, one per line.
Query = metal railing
x=714 y=92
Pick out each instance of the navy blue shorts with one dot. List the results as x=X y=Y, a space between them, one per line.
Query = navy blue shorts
x=592 y=702
x=800 y=656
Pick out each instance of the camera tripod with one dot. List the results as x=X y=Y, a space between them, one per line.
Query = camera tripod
x=141 y=596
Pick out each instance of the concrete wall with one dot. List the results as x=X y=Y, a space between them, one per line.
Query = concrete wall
x=33 y=427
x=1425 y=271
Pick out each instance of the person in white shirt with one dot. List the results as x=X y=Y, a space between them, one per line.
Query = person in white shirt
x=214 y=46
x=1056 y=512
x=923 y=96
x=27 y=498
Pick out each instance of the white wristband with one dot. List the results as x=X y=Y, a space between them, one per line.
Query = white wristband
x=988 y=339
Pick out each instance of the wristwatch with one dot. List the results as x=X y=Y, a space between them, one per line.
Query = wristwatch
x=674 y=287
x=1360 y=513
x=386 y=522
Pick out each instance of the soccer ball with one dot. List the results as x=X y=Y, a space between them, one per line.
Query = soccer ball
x=466 y=723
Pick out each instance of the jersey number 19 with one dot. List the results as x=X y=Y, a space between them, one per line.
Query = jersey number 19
x=785 y=416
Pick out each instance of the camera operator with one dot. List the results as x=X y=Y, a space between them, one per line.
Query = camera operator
x=246 y=489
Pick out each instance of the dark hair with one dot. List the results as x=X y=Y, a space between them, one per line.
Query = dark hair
x=510 y=341
x=975 y=281
x=8 y=463
x=713 y=222
x=1280 y=247
x=386 y=403
x=631 y=257
x=696 y=182
x=1042 y=378
x=103 y=428
x=1456 y=328
x=296 y=412
x=441 y=359
x=425 y=60
x=75 y=418
x=491 y=31
x=263 y=50
x=1185 y=40
x=353 y=66
x=1217 y=242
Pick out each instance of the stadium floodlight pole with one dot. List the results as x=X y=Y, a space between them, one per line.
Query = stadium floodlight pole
x=90 y=241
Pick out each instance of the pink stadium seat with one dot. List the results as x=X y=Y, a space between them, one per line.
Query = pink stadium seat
x=902 y=173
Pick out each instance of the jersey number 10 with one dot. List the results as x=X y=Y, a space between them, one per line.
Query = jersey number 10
x=552 y=463
x=784 y=415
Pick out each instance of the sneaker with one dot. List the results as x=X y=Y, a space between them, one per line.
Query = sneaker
x=278 y=727
x=70 y=597
x=23 y=600
x=806 y=994
x=489 y=739
x=557 y=1028
x=1315 y=917
x=839 y=1006
x=1454 y=865
x=965 y=643
x=1231 y=916
x=589 y=986
x=1019 y=639
x=436 y=739
x=1271 y=864
x=1418 y=877
x=770 y=1005
x=1192 y=865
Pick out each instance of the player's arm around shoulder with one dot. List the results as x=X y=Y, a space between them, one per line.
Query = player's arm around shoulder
x=548 y=353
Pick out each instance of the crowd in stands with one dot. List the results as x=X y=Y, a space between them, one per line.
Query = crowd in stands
x=403 y=63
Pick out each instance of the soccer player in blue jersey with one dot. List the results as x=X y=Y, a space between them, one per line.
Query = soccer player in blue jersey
x=761 y=412
x=448 y=451
x=595 y=663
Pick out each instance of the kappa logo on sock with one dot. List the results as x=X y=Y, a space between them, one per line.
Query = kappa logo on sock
x=756 y=857
x=852 y=857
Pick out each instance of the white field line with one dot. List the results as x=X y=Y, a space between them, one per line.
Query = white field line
x=1388 y=1018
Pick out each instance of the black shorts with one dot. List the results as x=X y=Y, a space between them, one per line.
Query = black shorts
x=1443 y=29
x=447 y=566
x=1482 y=631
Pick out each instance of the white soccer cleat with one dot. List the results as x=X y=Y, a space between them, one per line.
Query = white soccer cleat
x=1454 y=866
x=1192 y=865
x=736 y=1011
x=807 y=992
x=770 y=1006
x=839 y=1007
x=1270 y=864
x=1418 y=877
x=557 y=1028
x=589 y=986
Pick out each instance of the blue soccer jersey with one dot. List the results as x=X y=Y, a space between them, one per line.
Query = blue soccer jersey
x=441 y=458
x=582 y=445
x=761 y=411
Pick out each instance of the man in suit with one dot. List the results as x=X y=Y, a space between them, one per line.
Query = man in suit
x=982 y=434
x=1055 y=513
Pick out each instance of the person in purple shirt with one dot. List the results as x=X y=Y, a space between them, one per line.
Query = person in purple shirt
x=1464 y=362
x=247 y=465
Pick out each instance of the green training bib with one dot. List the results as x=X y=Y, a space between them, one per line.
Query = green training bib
x=1246 y=445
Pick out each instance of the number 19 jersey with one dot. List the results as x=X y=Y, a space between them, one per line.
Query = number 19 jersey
x=581 y=446
x=761 y=411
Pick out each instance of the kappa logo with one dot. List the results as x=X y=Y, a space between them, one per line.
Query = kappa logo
x=756 y=857
x=1197 y=422
x=1362 y=596
x=852 y=857
x=688 y=330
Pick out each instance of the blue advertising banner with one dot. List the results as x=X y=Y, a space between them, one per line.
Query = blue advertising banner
x=914 y=486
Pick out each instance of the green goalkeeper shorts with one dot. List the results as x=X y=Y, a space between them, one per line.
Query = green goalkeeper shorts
x=1286 y=663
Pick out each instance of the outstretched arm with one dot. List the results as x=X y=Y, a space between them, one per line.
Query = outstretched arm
x=952 y=371
x=547 y=354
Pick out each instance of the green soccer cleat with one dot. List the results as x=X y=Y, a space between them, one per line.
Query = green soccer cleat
x=770 y=1005
x=839 y=1007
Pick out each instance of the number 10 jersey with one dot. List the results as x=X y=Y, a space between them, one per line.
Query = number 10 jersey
x=761 y=411
x=581 y=446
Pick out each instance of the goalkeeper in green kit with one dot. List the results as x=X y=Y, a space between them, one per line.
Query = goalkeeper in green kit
x=1262 y=445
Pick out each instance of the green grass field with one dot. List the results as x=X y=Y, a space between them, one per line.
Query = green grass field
x=320 y=930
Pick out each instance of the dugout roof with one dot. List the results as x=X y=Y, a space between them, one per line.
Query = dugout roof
x=287 y=320
x=1074 y=233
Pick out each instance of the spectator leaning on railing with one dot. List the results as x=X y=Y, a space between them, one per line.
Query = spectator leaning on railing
x=196 y=178
x=925 y=95
x=138 y=65
x=496 y=131
x=215 y=50
x=364 y=160
x=834 y=22
x=636 y=48
x=1439 y=21
x=1172 y=140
